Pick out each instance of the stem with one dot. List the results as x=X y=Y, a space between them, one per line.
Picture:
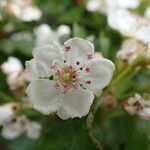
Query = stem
x=5 y=97
x=90 y=121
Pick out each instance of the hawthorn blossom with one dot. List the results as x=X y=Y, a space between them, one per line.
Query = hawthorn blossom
x=16 y=77
x=67 y=78
x=7 y=112
x=48 y=34
x=131 y=49
x=23 y=10
x=137 y=27
x=137 y=105
x=34 y=130
x=20 y=125
x=104 y=6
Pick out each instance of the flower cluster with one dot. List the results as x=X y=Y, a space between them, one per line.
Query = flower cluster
x=13 y=126
x=137 y=105
x=132 y=49
x=22 y=9
x=16 y=77
x=67 y=78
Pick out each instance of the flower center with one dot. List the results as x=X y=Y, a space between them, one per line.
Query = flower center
x=65 y=78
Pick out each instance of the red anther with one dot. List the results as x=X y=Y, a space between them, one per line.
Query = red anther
x=67 y=48
x=87 y=69
x=65 y=87
x=89 y=56
x=88 y=82
x=77 y=62
x=59 y=73
x=52 y=66
x=75 y=85
x=70 y=67
x=57 y=85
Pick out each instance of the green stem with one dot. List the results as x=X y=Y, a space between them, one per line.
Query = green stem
x=5 y=97
x=140 y=61
x=90 y=121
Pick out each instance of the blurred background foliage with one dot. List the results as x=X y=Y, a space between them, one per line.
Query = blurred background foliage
x=116 y=129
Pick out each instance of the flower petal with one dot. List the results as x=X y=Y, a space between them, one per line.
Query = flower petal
x=43 y=58
x=101 y=72
x=38 y=68
x=44 y=96
x=77 y=103
x=79 y=49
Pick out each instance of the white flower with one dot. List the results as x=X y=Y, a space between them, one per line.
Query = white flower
x=30 y=13
x=15 y=128
x=131 y=49
x=19 y=125
x=12 y=65
x=34 y=130
x=7 y=112
x=15 y=76
x=118 y=20
x=96 y=5
x=63 y=30
x=24 y=10
x=48 y=34
x=104 y=6
x=137 y=105
x=67 y=78
x=132 y=4
x=137 y=27
x=147 y=13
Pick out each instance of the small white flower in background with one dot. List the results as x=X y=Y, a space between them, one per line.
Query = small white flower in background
x=67 y=78
x=7 y=112
x=34 y=130
x=12 y=65
x=137 y=105
x=131 y=49
x=48 y=34
x=147 y=13
x=16 y=77
x=97 y=5
x=20 y=125
x=24 y=10
x=137 y=27
x=14 y=128
x=63 y=30
x=104 y=6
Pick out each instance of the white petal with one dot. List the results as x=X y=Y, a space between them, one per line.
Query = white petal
x=93 y=5
x=77 y=103
x=63 y=30
x=6 y=114
x=44 y=96
x=43 y=58
x=52 y=50
x=129 y=3
x=79 y=49
x=34 y=130
x=145 y=113
x=10 y=132
x=143 y=33
x=38 y=68
x=30 y=13
x=15 y=129
x=47 y=33
x=101 y=72
x=12 y=65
